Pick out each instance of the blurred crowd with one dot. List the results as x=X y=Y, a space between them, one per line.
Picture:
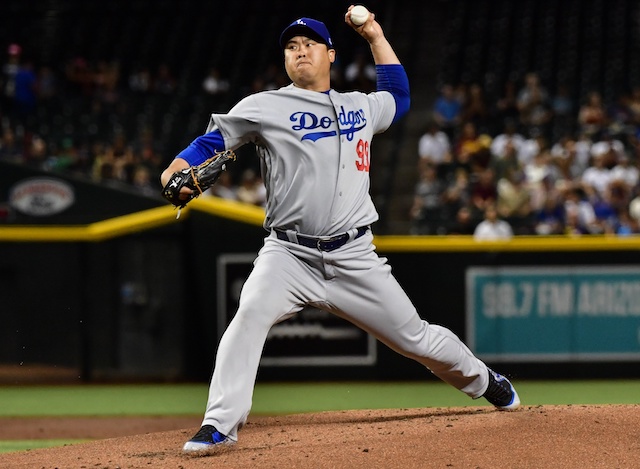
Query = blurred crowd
x=100 y=120
x=73 y=119
x=533 y=162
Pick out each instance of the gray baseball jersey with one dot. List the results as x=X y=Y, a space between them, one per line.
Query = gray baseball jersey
x=315 y=150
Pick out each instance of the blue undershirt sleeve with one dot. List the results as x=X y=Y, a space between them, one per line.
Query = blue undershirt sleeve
x=393 y=78
x=203 y=148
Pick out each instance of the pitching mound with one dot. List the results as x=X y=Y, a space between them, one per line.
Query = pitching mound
x=472 y=437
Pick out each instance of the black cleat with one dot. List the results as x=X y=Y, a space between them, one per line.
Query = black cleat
x=205 y=441
x=501 y=392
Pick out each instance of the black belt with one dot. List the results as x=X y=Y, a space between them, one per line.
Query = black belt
x=321 y=244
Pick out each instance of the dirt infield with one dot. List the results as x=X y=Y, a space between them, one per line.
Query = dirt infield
x=472 y=437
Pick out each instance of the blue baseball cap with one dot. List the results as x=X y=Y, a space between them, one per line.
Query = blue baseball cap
x=311 y=28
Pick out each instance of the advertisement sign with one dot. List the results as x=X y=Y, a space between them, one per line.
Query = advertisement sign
x=41 y=196
x=559 y=313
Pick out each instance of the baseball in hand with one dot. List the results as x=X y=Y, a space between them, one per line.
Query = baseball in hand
x=359 y=15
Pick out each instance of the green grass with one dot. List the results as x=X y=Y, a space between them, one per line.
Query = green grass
x=286 y=398
x=22 y=445
x=100 y=400
x=281 y=398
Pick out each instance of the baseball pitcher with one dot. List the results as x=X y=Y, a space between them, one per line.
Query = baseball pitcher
x=315 y=146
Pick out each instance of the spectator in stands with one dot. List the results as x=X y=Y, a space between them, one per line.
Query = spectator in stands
x=140 y=79
x=83 y=161
x=475 y=108
x=457 y=194
x=619 y=115
x=79 y=77
x=148 y=152
x=483 y=191
x=47 y=86
x=102 y=165
x=571 y=157
x=563 y=112
x=535 y=144
x=472 y=148
x=634 y=205
x=38 y=153
x=605 y=211
x=214 y=83
x=461 y=92
x=620 y=195
x=506 y=163
x=142 y=181
x=447 y=111
x=596 y=177
x=634 y=105
x=274 y=77
x=610 y=147
x=549 y=219
x=107 y=90
x=562 y=154
x=533 y=104
x=446 y=169
x=426 y=213
x=63 y=157
x=583 y=147
x=592 y=115
x=269 y=79
x=257 y=84
x=434 y=147
x=117 y=162
x=514 y=202
x=627 y=225
x=465 y=223
x=633 y=145
x=508 y=141
x=7 y=79
x=25 y=94
x=124 y=157
x=224 y=187
x=573 y=226
x=10 y=147
x=626 y=172
x=360 y=73
x=99 y=73
x=492 y=228
x=251 y=189
x=164 y=82
x=506 y=107
x=580 y=218
x=540 y=175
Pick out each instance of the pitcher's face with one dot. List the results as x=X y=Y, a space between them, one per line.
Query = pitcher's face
x=308 y=63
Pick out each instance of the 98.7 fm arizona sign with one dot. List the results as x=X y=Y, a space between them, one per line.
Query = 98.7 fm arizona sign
x=560 y=313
